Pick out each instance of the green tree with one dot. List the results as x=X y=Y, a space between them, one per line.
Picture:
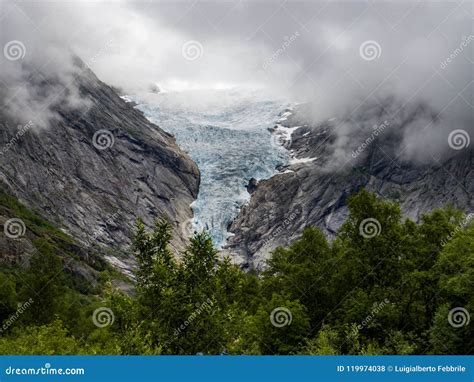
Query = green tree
x=325 y=343
x=443 y=337
x=280 y=326
x=455 y=274
x=372 y=240
x=44 y=284
x=51 y=339
x=303 y=271
x=8 y=297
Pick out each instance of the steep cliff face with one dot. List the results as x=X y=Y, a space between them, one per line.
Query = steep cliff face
x=93 y=172
x=25 y=232
x=314 y=189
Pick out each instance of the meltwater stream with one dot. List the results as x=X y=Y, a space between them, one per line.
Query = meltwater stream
x=225 y=133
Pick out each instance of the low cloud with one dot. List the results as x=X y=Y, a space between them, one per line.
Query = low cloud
x=345 y=58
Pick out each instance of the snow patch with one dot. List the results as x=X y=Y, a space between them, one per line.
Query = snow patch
x=284 y=133
x=285 y=172
x=301 y=160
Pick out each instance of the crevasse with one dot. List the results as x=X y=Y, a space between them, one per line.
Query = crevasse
x=226 y=133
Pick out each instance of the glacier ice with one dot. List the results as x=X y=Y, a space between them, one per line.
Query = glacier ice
x=226 y=133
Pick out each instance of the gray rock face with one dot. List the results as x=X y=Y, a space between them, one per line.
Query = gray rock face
x=18 y=251
x=96 y=194
x=15 y=251
x=314 y=189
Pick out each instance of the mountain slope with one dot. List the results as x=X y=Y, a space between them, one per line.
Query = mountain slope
x=16 y=250
x=96 y=192
x=314 y=188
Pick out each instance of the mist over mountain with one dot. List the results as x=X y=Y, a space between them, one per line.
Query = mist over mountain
x=93 y=171
x=314 y=188
x=310 y=52
x=397 y=74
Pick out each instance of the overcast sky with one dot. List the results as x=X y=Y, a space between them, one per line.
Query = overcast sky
x=333 y=54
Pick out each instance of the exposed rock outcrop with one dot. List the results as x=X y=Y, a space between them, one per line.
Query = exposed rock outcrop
x=252 y=186
x=314 y=189
x=95 y=194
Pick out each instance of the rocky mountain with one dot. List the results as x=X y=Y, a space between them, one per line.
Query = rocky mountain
x=322 y=174
x=93 y=172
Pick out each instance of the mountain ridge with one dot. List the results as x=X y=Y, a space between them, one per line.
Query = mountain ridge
x=314 y=188
x=96 y=192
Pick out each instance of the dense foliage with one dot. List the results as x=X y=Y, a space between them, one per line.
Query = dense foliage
x=392 y=287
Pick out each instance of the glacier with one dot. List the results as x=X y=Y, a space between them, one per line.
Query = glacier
x=226 y=132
